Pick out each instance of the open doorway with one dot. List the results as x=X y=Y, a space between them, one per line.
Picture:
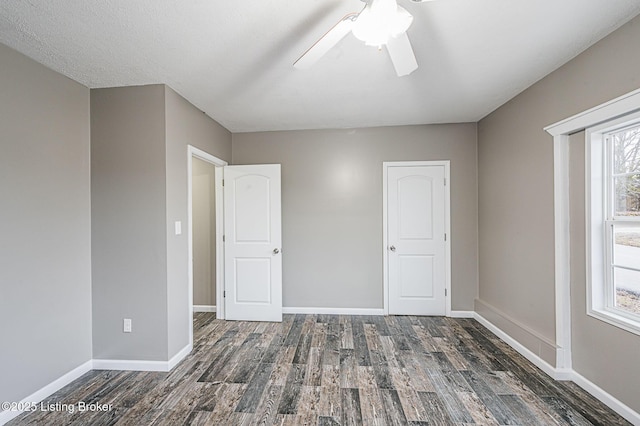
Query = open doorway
x=206 y=257
x=203 y=207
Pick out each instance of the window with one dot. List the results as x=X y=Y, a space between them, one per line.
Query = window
x=614 y=221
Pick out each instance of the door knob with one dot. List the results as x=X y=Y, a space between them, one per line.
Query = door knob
x=276 y=251
x=392 y=248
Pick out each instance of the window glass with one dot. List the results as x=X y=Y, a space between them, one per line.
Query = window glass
x=625 y=177
x=626 y=266
x=627 y=195
x=627 y=244
x=627 y=283
x=626 y=151
x=626 y=171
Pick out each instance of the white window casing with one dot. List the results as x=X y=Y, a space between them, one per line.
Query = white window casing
x=600 y=223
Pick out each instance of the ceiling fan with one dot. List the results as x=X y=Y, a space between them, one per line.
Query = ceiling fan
x=381 y=22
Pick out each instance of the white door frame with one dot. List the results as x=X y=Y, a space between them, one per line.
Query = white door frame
x=192 y=152
x=447 y=227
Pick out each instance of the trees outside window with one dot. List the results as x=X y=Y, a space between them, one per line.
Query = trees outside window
x=623 y=220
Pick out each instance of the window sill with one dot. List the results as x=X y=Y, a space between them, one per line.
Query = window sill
x=616 y=320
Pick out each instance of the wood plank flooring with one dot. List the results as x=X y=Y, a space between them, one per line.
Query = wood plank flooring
x=334 y=370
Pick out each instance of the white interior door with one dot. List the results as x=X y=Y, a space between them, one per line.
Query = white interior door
x=416 y=240
x=253 y=262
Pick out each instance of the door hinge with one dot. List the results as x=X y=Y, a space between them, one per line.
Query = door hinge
x=223 y=239
x=224 y=294
x=445 y=237
x=445 y=181
x=222 y=182
x=445 y=291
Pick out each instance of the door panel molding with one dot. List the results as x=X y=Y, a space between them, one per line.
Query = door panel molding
x=386 y=166
x=253 y=242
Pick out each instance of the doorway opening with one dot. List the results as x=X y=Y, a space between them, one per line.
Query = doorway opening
x=203 y=217
x=205 y=234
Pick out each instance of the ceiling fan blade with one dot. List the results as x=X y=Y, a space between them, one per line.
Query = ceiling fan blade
x=326 y=42
x=401 y=53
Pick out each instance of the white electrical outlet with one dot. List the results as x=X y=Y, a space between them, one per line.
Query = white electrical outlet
x=126 y=323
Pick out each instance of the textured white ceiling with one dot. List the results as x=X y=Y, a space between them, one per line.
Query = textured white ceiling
x=233 y=59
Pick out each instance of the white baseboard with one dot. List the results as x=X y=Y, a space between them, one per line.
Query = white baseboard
x=130 y=365
x=182 y=353
x=141 y=365
x=333 y=311
x=535 y=359
x=357 y=311
x=462 y=314
x=609 y=400
x=204 y=308
x=49 y=389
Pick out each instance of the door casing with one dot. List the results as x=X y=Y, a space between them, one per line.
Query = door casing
x=385 y=226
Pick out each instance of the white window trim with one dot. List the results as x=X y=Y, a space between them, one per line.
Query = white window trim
x=600 y=284
x=560 y=131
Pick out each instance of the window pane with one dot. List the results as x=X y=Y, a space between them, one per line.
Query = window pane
x=626 y=252
x=627 y=197
x=626 y=150
x=627 y=290
x=626 y=248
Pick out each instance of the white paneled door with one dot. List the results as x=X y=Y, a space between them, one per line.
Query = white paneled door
x=416 y=240
x=253 y=259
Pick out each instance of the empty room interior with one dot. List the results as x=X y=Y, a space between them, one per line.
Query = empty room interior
x=324 y=212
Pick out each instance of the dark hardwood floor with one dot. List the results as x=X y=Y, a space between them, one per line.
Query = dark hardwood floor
x=334 y=370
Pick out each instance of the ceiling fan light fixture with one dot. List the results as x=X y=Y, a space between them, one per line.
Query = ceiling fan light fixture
x=380 y=20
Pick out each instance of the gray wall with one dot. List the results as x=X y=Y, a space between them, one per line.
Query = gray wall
x=185 y=125
x=45 y=220
x=515 y=168
x=614 y=369
x=128 y=205
x=332 y=207
x=139 y=139
x=204 y=233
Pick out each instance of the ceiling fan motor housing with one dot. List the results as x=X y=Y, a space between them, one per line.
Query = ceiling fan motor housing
x=380 y=20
